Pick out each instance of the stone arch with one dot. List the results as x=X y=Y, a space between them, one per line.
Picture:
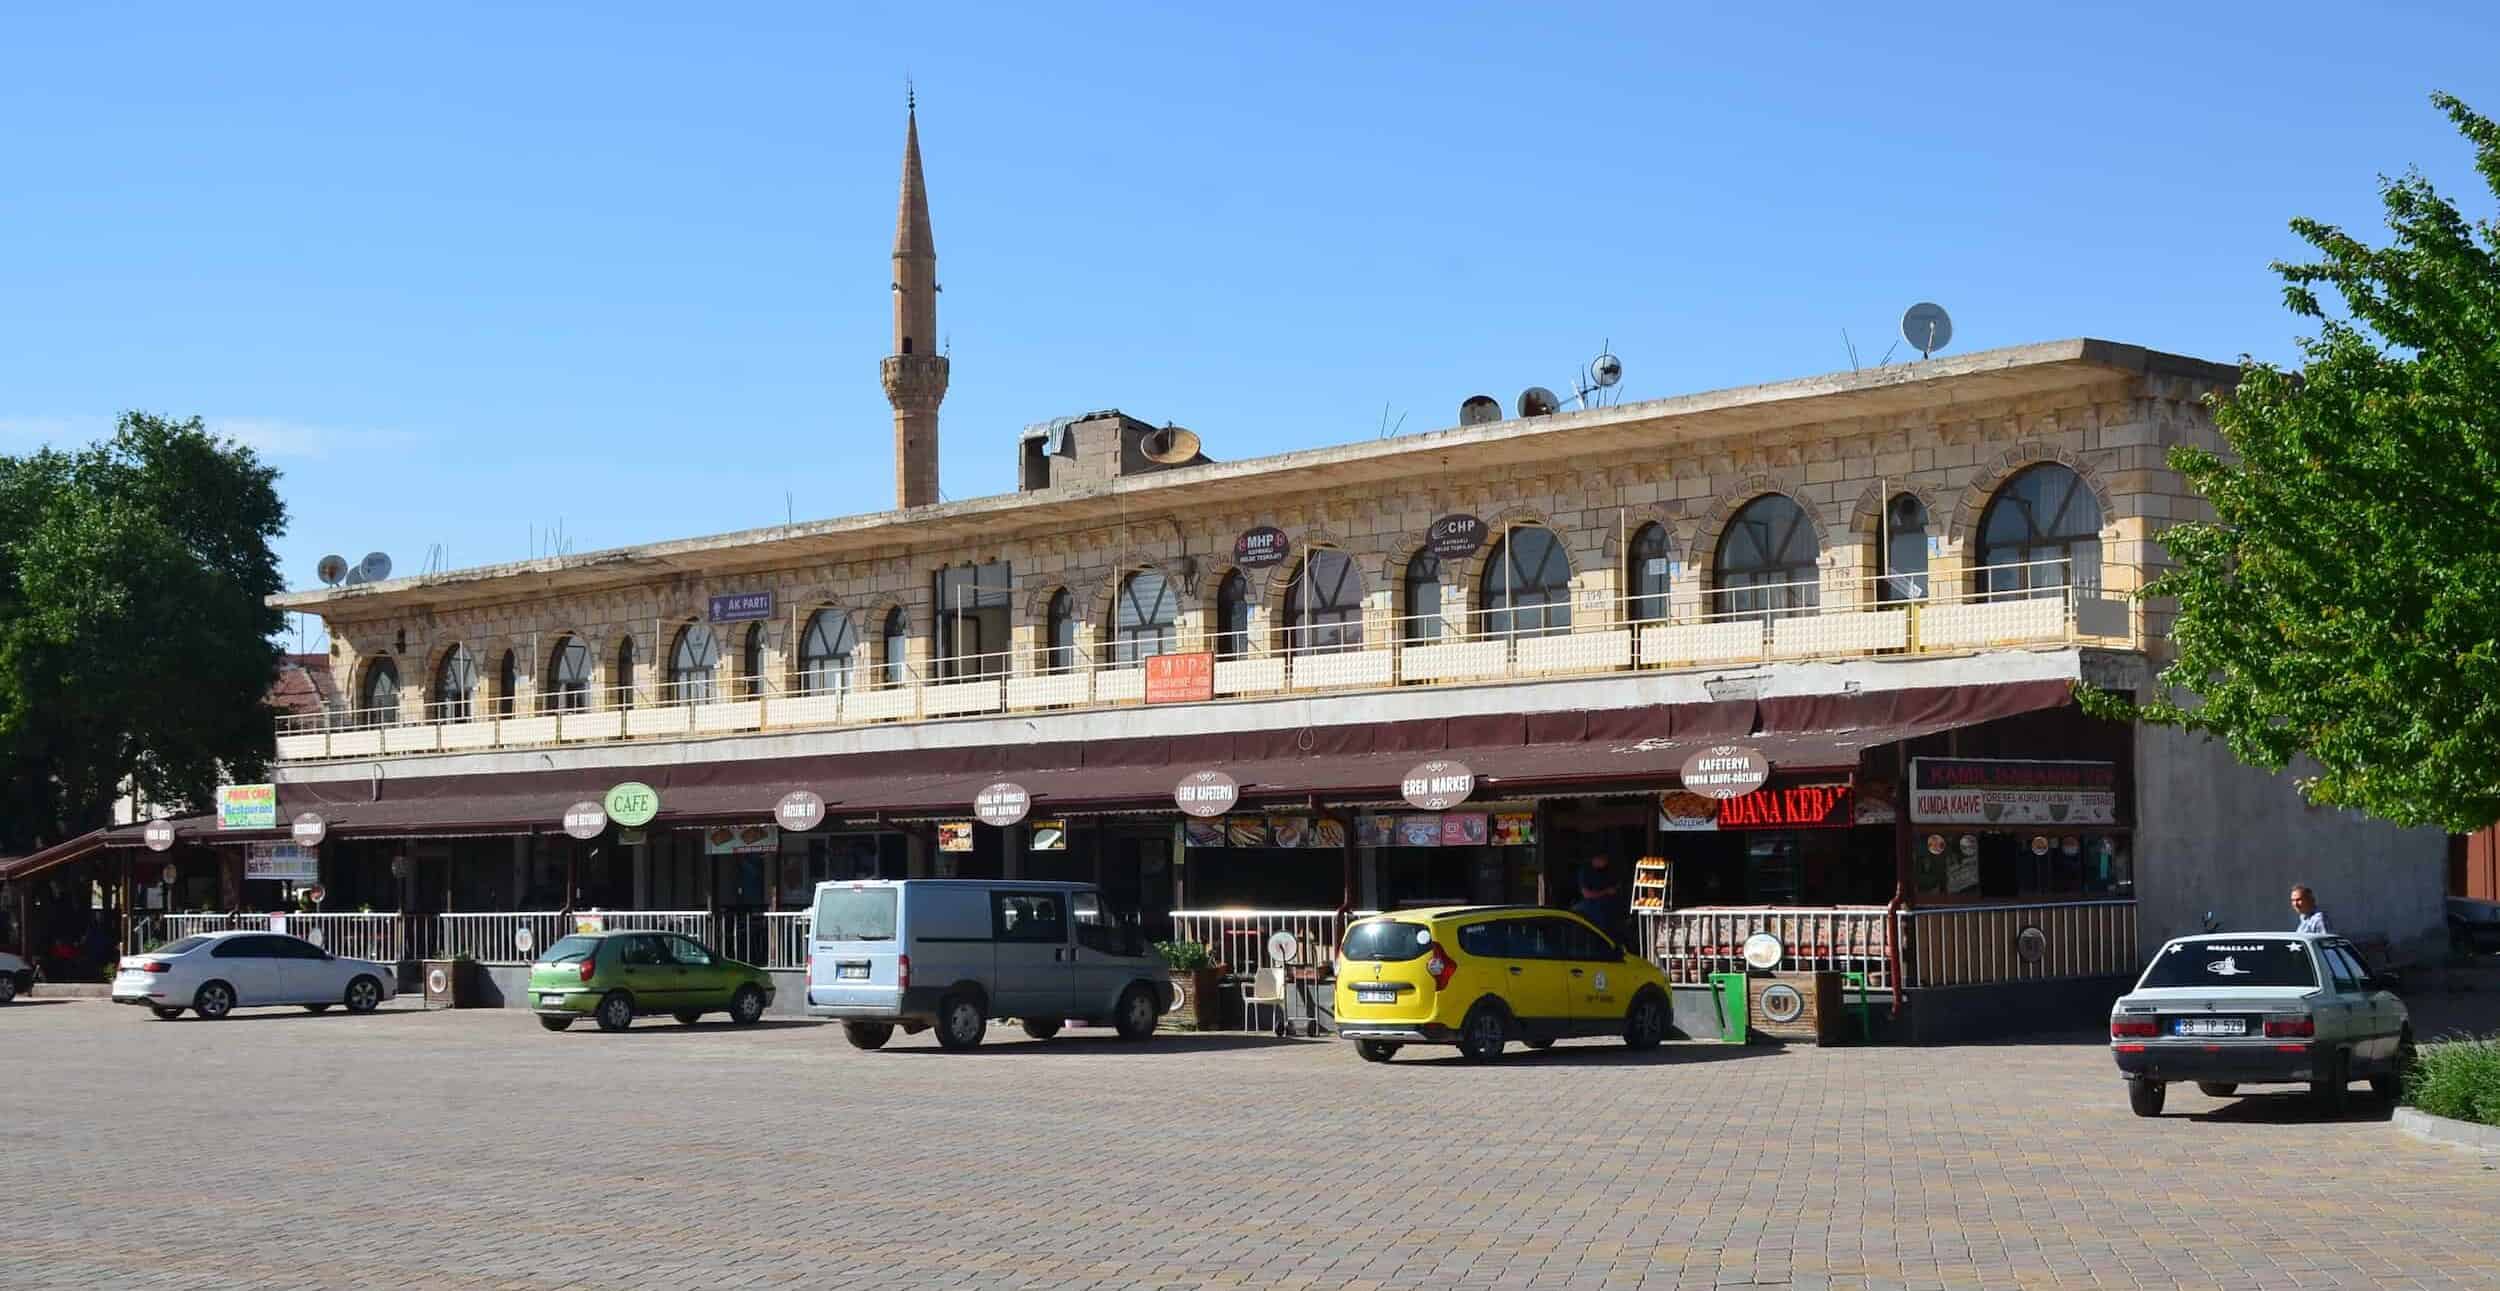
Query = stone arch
x=1701 y=554
x=1463 y=575
x=1863 y=514
x=1668 y=516
x=1972 y=501
x=872 y=638
x=1100 y=608
x=793 y=664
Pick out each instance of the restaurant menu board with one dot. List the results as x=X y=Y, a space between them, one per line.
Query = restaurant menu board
x=1464 y=829
x=1514 y=829
x=1980 y=791
x=741 y=840
x=1050 y=836
x=954 y=835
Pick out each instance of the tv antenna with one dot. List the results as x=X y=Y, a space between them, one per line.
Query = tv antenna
x=1927 y=328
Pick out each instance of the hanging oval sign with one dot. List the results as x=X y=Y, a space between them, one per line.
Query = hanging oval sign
x=1437 y=785
x=1206 y=793
x=1454 y=537
x=1262 y=548
x=800 y=810
x=633 y=804
x=310 y=829
x=585 y=820
x=1725 y=771
x=1001 y=804
x=159 y=836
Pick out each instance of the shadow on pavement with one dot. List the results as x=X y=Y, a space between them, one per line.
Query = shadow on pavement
x=290 y=1012
x=1017 y=1044
x=2293 y=1106
x=24 y=1000
x=1599 y=1055
x=666 y=1026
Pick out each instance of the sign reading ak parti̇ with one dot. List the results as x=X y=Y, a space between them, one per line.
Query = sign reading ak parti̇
x=633 y=804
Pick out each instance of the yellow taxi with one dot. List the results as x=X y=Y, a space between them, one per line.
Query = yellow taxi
x=1480 y=977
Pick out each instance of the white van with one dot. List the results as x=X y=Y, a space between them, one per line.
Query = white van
x=954 y=953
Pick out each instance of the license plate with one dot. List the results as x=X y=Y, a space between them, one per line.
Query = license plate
x=551 y=998
x=2210 y=1026
x=1362 y=996
x=851 y=972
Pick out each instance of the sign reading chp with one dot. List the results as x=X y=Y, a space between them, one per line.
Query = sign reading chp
x=800 y=810
x=585 y=820
x=1725 y=771
x=1454 y=537
x=633 y=804
x=1437 y=785
x=159 y=836
x=1206 y=793
x=310 y=829
x=1001 y=804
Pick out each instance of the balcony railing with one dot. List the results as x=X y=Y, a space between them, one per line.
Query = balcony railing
x=1806 y=620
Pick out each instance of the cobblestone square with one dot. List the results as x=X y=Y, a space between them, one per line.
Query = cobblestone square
x=415 y=1149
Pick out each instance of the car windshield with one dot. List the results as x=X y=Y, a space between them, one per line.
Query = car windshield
x=855 y=914
x=1386 y=940
x=180 y=945
x=571 y=950
x=2250 y=962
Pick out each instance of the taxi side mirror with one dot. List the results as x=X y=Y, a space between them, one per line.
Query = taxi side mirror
x=2386 y=979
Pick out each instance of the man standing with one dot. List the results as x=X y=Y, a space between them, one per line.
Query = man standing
x=1601 y=895
x=2305 y=906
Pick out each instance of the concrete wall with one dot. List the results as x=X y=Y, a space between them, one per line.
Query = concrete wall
x=2216 y=835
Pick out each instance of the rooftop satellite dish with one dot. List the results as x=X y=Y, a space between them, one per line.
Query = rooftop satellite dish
x=1479 y=409
x=1927 y=327
x=1605 y=370
x=1537 y=401
x=1170 y=446
x=375 y=567
x=331 y=570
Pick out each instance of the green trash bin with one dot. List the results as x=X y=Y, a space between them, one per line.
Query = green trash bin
x=1733 y=1009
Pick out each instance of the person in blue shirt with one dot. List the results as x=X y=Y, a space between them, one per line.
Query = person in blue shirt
x=2305 y=908
x=1601 y=895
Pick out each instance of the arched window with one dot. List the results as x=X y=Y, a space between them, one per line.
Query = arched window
x=455 y=682
x=1422 y=621
x=1232 y=616
x=623 y=681
x=1526 y=588
x=1143 y=621
x=377 y=704
x=507 y=683
x=692 y=664
x=1646 y=570
x=568 y=678
x=897 y=642
x=1905 y=550
x=1766 y=561
x=751 y=661
x=825 y=652
x=2041 y=532
x=1324 y=604
x=1059 y=633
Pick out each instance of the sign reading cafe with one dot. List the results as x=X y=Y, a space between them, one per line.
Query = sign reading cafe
x=1978 y=791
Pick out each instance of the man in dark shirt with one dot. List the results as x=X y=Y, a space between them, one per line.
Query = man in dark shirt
x=1601 y=895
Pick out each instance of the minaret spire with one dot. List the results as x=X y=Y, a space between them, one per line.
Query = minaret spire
x=915 y=373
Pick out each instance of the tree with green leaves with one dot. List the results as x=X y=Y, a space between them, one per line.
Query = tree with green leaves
x=2343 y=604
x=135 y=638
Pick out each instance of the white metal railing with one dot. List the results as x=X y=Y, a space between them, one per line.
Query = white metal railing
x=1692 y=944
x=1971 y=945
x=765 y=938
x=1823 y=618
x=376 y=937
x=500 y=937
x=1238 y=938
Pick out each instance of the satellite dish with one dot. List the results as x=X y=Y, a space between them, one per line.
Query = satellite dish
x=355 y=576
x=1478 y=409
x=1283 y=946
x=1170 y=446
x=1537 y=401
x=375 y=567
x=1927 y=327
x=1605 y=370
x=331 y=570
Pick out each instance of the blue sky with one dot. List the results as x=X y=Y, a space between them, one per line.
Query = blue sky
x=478 y=271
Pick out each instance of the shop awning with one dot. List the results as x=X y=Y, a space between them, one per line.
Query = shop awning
x=1511 y=754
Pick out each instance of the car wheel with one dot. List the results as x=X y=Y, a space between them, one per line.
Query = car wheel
x=164 y=1014
x=867 y=1035
x=554 y=1023
x=1042 y=1028
x=1482 y=1036
x=8 y=987
x=616 y=1012
x=2330 y=1088
x=316 y=1008
x=2391 y=1085
x=1376 y=1050
x=1137 y=1015
x=961 y=1022
x=746 y=1008
x=688 y=1016
x=1645 y=1027
x=2217 y=1088
x=2145 y=1096
x=364 y=995
x=214 y=1001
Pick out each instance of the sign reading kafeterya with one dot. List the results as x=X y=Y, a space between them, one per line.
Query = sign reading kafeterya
x=1984 y=791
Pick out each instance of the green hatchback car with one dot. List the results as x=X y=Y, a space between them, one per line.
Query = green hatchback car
x=615 y=977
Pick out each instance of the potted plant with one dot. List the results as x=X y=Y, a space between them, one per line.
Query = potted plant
x=1197 y=982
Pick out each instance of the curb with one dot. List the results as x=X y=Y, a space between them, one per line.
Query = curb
x=2447 y=1133
x=72 y=991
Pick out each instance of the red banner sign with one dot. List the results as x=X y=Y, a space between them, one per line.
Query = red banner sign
x=1180 y=678
x=1796 y=806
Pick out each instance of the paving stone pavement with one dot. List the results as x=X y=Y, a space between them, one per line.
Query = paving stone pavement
x=413 y=1149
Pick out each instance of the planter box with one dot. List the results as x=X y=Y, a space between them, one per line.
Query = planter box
x=1203 y=1004
x=453 y=984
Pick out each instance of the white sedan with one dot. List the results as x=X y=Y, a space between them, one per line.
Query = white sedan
x=2237 y=1008
x=219 y=972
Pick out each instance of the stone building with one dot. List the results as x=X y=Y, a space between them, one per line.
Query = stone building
x=1882 y=584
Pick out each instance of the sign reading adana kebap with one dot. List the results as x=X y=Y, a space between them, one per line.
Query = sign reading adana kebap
x=1725 y=771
